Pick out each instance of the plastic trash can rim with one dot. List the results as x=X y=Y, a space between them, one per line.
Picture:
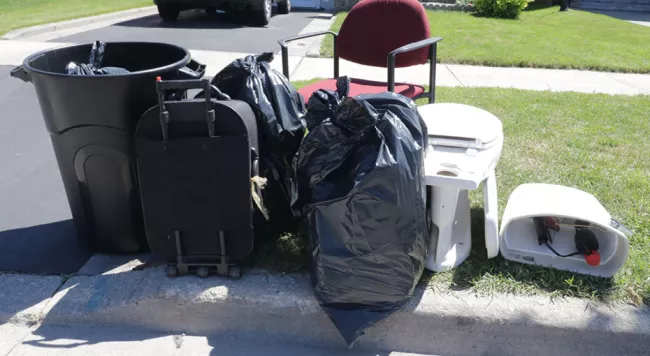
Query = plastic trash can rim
x=186 y=59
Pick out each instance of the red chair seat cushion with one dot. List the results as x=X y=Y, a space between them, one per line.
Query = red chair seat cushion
x=361 y=86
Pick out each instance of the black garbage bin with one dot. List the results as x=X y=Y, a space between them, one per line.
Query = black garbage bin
x=91 y=120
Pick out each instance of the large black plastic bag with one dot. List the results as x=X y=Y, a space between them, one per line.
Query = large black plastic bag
x=360 y=182
x=279 y=109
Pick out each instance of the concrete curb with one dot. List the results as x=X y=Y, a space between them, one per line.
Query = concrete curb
x=277 y=308
x=24 y=297
x=310 y=47
x=41 y=29
x=314 y=49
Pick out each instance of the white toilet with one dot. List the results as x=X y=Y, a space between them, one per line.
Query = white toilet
x=464 y=148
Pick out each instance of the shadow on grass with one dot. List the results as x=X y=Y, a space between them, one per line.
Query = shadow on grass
x=287 y=253
x=540 y=5
x=497 y=275
x=533 y=6
x=279 y=252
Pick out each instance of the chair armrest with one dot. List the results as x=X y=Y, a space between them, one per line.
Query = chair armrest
x=285 y=51
x=432 y=43
x=283 y=42
x=415 y=45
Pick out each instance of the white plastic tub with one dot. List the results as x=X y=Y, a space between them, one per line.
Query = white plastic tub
x=519 y=238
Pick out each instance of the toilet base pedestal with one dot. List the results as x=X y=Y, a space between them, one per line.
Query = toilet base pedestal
x=451 y=238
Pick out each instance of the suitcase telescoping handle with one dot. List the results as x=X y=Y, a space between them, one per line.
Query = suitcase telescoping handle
x=162 y=86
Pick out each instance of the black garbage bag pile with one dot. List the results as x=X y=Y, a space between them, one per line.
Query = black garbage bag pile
x=360 y=187
x=94 y=65
x=279 y=109
x=323 y=103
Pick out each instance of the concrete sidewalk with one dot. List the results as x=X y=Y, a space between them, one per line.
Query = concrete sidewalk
x=452 y=75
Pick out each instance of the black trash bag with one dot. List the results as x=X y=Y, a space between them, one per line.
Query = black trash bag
x=360 y=185
x=279 y=110
x=324 y=102
x=94 y=66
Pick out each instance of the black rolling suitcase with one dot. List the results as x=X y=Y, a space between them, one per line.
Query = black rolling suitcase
x=195 y=160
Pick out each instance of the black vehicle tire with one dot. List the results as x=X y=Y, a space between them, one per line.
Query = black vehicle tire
x=262 y=17
x=234 y=272
x=238 y=16
x=171 y=271
x=284 y=7
x=203 y=272
x=168 y=12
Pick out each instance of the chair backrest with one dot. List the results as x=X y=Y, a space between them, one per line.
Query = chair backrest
x=374 y=28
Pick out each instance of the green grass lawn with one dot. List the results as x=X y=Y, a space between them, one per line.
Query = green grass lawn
x=597 y=143
x=16 y=14
x=543 y=37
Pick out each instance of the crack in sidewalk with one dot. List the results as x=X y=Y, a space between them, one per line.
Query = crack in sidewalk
x=453 y=74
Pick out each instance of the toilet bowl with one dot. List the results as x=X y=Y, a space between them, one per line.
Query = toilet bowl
x=464 y=147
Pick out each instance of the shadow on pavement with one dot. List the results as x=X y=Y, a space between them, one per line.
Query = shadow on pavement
x=42 y=249
x=124 y=341
x=198 y=30
x=462 y=336
x=201 y=19
x=187 y=20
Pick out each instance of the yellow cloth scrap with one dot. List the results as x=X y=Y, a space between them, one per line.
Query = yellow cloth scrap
x=260 y=183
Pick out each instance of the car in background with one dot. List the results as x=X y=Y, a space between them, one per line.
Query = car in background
x=256 y=12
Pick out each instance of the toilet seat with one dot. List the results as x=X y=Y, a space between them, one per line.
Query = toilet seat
x=462 y=126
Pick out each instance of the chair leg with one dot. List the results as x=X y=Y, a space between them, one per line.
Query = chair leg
x=285 y=62
x=432 y=72
x=336 y=60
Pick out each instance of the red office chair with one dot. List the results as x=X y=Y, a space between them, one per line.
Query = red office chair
x=380 y=33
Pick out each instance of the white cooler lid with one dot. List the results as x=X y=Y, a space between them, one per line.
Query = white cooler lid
x=460 y=125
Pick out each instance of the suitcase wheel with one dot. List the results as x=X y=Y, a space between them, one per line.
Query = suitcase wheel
x=171 y=271
x=234 y=272
x=202 y=272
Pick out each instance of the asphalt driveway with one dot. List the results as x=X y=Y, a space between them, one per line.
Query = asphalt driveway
x=36 y=230
x=202 y=31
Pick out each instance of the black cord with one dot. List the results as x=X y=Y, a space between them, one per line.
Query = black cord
x=559 y=255
x=544 y=237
